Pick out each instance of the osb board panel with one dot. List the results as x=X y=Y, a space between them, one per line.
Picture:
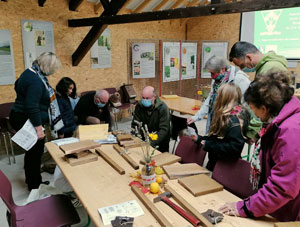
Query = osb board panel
x=67 y=40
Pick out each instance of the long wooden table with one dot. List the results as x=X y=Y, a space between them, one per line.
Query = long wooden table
x=182 y=104
x=97 y=185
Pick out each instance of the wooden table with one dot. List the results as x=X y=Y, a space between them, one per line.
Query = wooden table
x=97 y=185
x=182 y=104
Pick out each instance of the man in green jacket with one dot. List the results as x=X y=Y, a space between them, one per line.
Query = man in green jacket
x=250 y=59
x=155 y=114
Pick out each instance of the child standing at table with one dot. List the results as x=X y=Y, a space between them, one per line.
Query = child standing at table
x=225 y=138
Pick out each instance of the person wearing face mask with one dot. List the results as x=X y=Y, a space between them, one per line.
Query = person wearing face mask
x=92 y=108
x=221 y=72
x=275 y=164
x=155 y=114
x=250 y=59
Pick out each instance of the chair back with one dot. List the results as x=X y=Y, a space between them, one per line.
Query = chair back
x=5 y=109
x=6 y=194
x=86 y=92
x=111 y=90
x=234 y=176
x=178 y=124
x=189 y=151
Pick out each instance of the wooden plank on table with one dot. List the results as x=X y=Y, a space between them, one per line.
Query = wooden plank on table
x=183 y=170
x=163 y=159
x=287 y=224
x=92 y=132
x=151 y=207
x=200 y=184
x=136 y=143
x=170 y=96
x=124 y=137
x=74 y=161
x=111 y=162
x=79 y=146
x=188 y=206
x=126 y=157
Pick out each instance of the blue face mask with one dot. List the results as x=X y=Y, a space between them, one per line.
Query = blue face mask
x=100 y=105
x=248 y=70
x=146 y=102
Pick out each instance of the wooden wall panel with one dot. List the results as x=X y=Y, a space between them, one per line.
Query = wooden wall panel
x=67 y=40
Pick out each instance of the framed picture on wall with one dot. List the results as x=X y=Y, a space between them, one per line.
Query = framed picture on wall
x=210 y=49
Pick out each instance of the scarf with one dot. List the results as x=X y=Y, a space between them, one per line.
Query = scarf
x=55 y=119
x=220 y=80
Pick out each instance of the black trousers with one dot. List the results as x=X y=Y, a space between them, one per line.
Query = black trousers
x=33 y=157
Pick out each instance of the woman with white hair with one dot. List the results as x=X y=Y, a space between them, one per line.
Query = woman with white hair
x=33 y=101
x=221 y=72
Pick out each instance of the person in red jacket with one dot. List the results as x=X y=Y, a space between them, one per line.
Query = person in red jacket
x=276 y=160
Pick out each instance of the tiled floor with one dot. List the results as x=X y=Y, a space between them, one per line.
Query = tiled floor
x=15 y=173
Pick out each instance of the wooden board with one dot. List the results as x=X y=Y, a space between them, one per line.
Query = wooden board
x=200 y=184
x=287 y=224
x=170 y=96
x=124 y=137
x=151 y=207
x=183 y=170
x=92 y=132
x=79 y=146
x=89 y=157
x=126 y=156
x=163 y=159
x=137 y=143
x=111 y=162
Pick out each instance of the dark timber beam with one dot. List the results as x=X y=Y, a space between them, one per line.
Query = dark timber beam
x=105 y=4
x=74 y=4
x=222 y=8
x=41 y=3
x=96 y=31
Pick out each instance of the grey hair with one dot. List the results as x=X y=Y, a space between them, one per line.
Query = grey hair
x=99 y=93
x=216 y=63
x=48 y=63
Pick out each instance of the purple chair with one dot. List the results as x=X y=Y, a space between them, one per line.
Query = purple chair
x=189 y=151
x=54 y=211
x=234 y=176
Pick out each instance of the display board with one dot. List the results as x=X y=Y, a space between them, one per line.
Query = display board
x=143 y=60
x=273 y=30
x=188 y=60
x=37 y=37
x=171 y=52
x=7 y=65
x=101 y=51
x=210 y=49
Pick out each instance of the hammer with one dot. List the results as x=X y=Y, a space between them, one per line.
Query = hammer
x=165 y=197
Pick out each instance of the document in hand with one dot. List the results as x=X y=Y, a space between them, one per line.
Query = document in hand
x=26 y=137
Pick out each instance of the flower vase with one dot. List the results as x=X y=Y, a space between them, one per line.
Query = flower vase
x=148 y=174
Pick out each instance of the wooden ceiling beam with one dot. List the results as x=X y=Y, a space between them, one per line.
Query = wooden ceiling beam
x=223 y=8
x=178 y=3
x=160 y=5
x=98 y=7
x=105 y=3
x=96 y=31
x=142 y=6
x=74 y=4
x=192 y=3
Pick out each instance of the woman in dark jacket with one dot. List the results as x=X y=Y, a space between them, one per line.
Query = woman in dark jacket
x=66 y=88
x=33 y=103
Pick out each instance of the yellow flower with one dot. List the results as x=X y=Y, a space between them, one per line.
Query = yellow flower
x=199 y=92
x=153 y=136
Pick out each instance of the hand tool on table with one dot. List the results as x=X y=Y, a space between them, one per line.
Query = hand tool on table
x=126 y=156
x=186 y=205
x=165 y=198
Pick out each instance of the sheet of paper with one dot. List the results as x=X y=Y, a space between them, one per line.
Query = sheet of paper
x=64 y=141
x=26 y=137
x=129 y=209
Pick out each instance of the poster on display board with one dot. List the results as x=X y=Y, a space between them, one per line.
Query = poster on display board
x=143 y=60
x=100 y=51
x=37 y=37
x=171 y=54
x=188 y=60
x=210 y=49
x=7 y=65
